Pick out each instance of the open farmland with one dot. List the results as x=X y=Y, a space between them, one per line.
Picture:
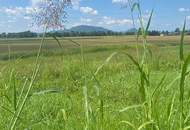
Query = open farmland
x=89 y=65
x=23 y=45
x=114 y=96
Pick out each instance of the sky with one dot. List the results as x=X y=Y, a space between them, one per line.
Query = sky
x=168 y=14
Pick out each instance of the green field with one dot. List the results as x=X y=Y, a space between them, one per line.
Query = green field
x=100 y=90
x=33 y=44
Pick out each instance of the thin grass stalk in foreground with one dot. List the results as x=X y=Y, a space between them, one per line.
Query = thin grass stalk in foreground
x=140 y=17
x=170 y=110
x=182 y=42
x=14 y=94
x=22 y=92
x=145 y=33
x=128 y=124
x=85 y=89
x=34 y=75
x=101 y=101
x=105 y=62
x=136 y=32
x=184 y=64
x=40 y=48
x=58 y=42
x=182 y=86
x=143 y=68
x=17 y=114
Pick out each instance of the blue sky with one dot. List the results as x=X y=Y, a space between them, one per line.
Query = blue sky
x=168 y=14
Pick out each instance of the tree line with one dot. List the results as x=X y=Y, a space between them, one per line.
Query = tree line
x=29 y=34
x=26 y=34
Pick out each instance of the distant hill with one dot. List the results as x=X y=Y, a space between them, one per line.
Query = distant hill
x=132 y=30
x=88 y=29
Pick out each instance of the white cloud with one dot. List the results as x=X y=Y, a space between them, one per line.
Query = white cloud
x=75 y=3
x=80 y=23
x=88 y=10
x=35 y=2
x=14 y=15
x=14 y=11
x=119 y=1
x=11 y=21
x=112 y=21
x=183 y=9
x=27 y=17
x=86 y=20
x=105 y=21
x=188 y=17
x=17 y=10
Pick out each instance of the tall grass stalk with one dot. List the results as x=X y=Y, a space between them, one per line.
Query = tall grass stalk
x=34 y=75
x=182 y=86
x=84 y=85
x=143 y=30
x=136 y=32
x=18 y=113
x=140 y=18
x=182 y=42
x=184 y=72
x=85 y=89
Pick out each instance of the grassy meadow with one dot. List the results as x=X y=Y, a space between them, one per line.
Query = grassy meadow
x=101 y=87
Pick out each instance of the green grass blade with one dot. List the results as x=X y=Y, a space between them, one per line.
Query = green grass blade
x=135 y=6
x=172 y=82
x=149 y=21
x=129 y=124
x=138 y=34
x=143 y=74
x=22 y=92
x=102 y=113
x=130 y=107
x=187 y=128
x=147 y=124
x=182 y=42
x=100 y=98
x=48 y=91
x=187 y=119
x=182 y=85
x=171 y=107
x=7 y=109
x=183 y=76
x=105 y=62
x=34 y=76
x=14 y=94
x=13 y=87
x=17 y=114
x=74 y=42
x=58 y=42
x=158 y=86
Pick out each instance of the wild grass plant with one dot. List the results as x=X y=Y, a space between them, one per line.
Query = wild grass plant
x=98 y=90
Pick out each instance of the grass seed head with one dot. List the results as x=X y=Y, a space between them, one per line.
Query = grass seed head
x=51 y=13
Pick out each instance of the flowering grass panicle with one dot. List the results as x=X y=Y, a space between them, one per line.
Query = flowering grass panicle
x=51 y=13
